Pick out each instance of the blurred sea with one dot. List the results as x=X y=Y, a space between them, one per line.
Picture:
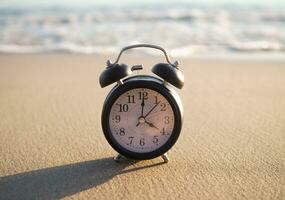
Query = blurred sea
x=186 y=29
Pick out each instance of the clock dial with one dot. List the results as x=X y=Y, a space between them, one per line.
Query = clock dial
x=141 y=120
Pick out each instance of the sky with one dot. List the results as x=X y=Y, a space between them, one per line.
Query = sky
x=4 y=3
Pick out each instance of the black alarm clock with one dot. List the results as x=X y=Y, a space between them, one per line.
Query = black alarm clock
x=142 y=115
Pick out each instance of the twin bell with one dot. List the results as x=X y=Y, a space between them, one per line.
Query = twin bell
x=168 y=71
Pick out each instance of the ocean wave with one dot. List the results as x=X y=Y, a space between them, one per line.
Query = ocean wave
x=184 y=30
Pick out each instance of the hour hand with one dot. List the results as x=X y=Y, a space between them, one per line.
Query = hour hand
x=151 y=125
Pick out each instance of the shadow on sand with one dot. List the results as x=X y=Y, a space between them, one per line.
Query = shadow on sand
x=62 y=181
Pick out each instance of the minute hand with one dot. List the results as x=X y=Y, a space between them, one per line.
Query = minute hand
x=151 y=109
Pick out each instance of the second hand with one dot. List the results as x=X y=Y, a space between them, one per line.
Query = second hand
x=151 y=109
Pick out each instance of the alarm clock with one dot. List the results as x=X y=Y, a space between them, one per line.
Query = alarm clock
x=142 y=115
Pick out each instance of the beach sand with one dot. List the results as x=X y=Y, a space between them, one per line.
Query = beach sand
x=232 y=145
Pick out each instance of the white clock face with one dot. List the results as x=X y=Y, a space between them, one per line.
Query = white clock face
x=141 y=120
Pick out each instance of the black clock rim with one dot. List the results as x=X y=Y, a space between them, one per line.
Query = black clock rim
x=156 y=85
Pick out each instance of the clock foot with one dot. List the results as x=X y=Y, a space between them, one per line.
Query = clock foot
x=118 y=157
x=165 y=158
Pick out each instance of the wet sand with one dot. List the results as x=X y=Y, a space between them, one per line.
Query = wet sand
x=232 y=145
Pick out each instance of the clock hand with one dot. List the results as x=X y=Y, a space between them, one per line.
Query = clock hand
x=142 y=104
x=151 y=109
x=138 y=124
x=151 y=125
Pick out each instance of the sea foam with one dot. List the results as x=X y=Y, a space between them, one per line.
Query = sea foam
x=184 y=29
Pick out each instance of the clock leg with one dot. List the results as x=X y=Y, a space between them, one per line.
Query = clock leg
x=118 y=157
x=165 y=158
